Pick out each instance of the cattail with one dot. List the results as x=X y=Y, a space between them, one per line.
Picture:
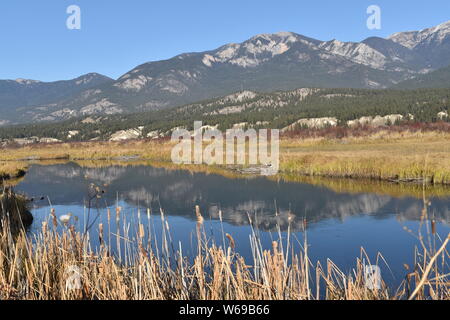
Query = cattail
x=73 y=231
x=433 y=227
x=118 y=209
x=230 y=238
x=100 y=233
x=199 y=215
x=141 y=231
x=44 y=227
x=275 y=247
x=54 y=219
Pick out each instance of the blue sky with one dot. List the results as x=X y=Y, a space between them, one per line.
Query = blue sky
x=117 y=35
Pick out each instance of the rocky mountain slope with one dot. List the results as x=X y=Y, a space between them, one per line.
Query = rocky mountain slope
x=436 y=79
x=432 y=44
x=18 y=96
x=264 y=63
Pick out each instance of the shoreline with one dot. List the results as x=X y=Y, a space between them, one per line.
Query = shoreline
x=237 y=169
x=335 y=184
x=396 y=158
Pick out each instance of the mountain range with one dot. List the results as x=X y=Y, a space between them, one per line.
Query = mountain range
x=264 y=63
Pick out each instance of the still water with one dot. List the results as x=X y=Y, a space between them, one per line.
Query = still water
x=339 y=223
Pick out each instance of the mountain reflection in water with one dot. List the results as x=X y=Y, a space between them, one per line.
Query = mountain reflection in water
x=178 y=192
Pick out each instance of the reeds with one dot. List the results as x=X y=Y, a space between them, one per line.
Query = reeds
x=14 y=213
x=59 y=262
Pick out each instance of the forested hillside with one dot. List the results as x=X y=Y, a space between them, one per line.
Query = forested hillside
x=436 y=79
x=251 y=109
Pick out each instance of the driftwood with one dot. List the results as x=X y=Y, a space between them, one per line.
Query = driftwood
x=412 y=180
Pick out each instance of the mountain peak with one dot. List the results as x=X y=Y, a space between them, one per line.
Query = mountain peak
x=412 y=39
x=442 y=26
x=89 y=77
x=26 y=81
x=281 y=35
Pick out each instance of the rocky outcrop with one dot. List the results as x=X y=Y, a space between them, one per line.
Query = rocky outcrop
x=129 y=134
x=72 y=134
x=316 y=123
x=49 y=140
x=442 y=115
x=319 y=123
x=376 y=121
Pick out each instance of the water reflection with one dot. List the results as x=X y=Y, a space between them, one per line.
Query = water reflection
x=268 y=202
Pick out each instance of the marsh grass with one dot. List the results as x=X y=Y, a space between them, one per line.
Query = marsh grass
x=399 y=157
x=403 y=155
x=12 y=170
x=43 y=265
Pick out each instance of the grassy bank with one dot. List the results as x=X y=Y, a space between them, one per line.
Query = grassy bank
x=397 y=157
x=12 y=170
x=66 y=265
x=393 y=156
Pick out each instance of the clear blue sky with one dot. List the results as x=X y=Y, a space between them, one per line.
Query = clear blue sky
x=117 y=35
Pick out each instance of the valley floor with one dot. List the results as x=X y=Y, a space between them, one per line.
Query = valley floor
x=389 y=156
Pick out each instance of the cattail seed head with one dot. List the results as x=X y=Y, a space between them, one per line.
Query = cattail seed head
x=231 y=240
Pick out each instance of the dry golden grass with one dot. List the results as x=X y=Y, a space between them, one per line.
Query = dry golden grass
x=382 y=157
x=90 y=151
x=403 y=156
x=11 y=170
x=46 y=265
